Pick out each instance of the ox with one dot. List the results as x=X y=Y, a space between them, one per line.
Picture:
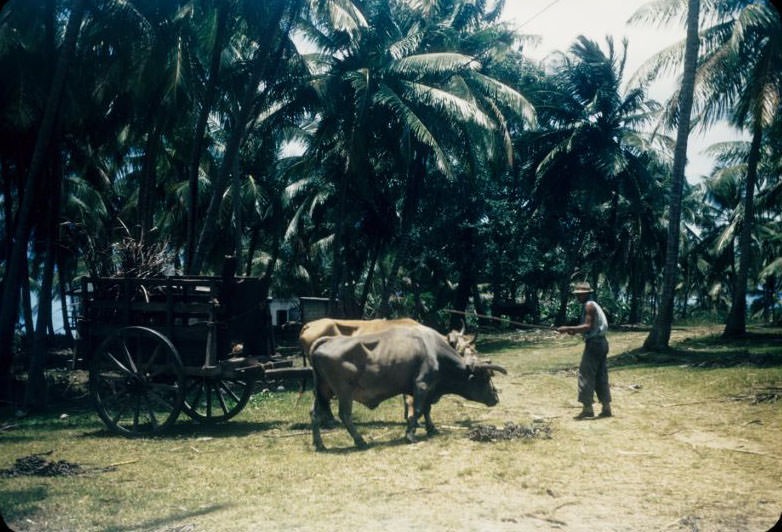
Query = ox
x=312 y=331
x=402 y=360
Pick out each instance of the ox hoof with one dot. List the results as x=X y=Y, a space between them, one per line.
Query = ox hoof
x=361 y=444
x=410 y=438
x=320 y=447
x=432 y=431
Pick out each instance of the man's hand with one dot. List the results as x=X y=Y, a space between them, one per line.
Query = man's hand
x=564 y=330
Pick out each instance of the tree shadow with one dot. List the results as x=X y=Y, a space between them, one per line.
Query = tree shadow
x=20 y=504
x=696 y=358
x=366 y=424
x=154 y=524
x=487 y=347
x=193 y=429
x=385 y=444
x=755 y=340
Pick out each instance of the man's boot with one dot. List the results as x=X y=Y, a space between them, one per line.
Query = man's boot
x=606 y=411
x=586 y=412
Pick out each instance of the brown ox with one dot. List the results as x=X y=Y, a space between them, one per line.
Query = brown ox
x=370 y=368
x=329 y=327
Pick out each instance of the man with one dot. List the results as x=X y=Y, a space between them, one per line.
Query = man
x=593 y=373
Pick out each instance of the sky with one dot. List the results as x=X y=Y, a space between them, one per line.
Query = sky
x=559 y=22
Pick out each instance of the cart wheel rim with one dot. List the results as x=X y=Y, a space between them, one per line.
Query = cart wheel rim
x=137 y=382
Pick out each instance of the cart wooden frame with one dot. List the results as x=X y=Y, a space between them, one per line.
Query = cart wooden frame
x=156 y=347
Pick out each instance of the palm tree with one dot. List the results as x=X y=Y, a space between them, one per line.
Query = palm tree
x=380 y=85
x=742 y=81
x=660 y=334
x=260 y=69
x=9 y=306
x=591 y=158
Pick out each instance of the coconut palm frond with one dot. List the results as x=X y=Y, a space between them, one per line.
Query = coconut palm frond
x=387 y=97
x=408 y=44
x=433 y=63
x=503 y=94
x=322 y=245
x=454 y=107
x=773 y=269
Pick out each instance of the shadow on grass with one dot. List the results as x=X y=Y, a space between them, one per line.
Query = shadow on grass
x=487 y=347
x=696 y=359
x=396 y=442
x=182 y=430
x=338 y=425
x=754 y=340
x=20 y=504
x=155 y=524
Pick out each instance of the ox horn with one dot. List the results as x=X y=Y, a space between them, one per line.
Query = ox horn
x=495 y=367
x=464 y=327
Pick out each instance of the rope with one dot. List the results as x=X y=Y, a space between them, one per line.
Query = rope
x=516 y=323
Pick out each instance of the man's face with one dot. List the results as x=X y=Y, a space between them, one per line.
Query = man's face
x=582 y=297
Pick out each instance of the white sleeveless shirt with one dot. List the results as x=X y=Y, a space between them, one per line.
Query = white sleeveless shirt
x=600 y=326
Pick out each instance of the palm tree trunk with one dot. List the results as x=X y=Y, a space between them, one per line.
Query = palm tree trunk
x=418 y=168
x=35 y=391
x=63 y=282
x=148 y=177
x=198 y=138
x=336 y=251
x=8 y=210
x=564 y=294
x=368 y=281
x=10 y=297
x=661 y=332
x=737 y=317
x=236 y=204
x=255 y=235
x=27 y=306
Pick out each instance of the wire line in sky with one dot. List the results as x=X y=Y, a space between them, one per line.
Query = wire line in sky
x=536 y=15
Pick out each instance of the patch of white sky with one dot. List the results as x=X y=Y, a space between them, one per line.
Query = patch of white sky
x=558 y=23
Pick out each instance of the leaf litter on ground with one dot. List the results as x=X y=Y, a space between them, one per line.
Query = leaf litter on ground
x=511 y=431
x=35 y=465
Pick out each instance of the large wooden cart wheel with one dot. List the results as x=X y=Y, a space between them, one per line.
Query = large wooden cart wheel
x=215 y=399
x=137 y=382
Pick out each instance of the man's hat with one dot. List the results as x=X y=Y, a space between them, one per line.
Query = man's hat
x=581 y=288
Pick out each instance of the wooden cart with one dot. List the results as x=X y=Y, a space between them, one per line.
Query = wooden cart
x=158 y=346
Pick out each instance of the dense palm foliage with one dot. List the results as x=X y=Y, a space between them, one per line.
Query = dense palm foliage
x=399 y=157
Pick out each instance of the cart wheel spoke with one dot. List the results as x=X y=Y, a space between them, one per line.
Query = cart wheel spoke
x=230 y=394
x=118 y=415
x=160 y=400
x=120 y=365
x=152 y=417
x=149 y=364
x=131 y=363
x=136 y=412
x=219 y=394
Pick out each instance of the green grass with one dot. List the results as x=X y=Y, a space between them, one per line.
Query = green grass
x=678 y=451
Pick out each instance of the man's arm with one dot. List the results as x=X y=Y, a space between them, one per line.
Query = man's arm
x=584 y=327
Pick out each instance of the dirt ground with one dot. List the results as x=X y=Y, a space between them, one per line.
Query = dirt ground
x=687 y=450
